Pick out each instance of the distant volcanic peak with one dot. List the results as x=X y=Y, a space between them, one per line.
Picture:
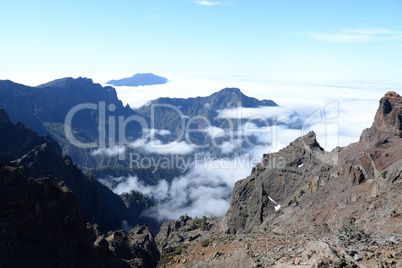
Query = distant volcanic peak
x=140 y=79
x=145 y=74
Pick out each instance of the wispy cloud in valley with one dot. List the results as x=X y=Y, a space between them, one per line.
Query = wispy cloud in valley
x=109 y=151
x=205 y=190
x=158 y=147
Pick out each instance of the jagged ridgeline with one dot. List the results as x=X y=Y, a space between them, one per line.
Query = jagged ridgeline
x=47 y=106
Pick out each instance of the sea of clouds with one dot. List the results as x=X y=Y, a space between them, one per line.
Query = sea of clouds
x=337 y=112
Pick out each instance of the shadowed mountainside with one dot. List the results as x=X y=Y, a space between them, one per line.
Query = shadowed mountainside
x=41 y=225
x=41 y=157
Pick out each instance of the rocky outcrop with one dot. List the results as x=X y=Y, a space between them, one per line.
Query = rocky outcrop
x=185 y=230
x=302 y=186
x=388 y=120
x=138 y=248
x=379 y=141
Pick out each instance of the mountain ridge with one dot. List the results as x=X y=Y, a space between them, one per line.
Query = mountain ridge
x=46 y=107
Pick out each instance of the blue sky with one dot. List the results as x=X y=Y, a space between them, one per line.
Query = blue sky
x=286 y=40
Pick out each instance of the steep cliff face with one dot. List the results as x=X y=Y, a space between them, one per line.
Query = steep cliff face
x=41 y=157
x=309 y=189
x=40 y=224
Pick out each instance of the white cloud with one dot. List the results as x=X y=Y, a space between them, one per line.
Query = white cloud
x=229 y=147
x=153 y=132
x=158 y=147
x=214 y=132
x=205 y=190
x=207 y=3
x=121 y=185
x=354 y=35
x=109 y=151
x=255 y=113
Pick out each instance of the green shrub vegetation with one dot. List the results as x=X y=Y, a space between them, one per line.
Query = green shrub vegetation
x=96 y=230
x=179 y=248
x=301 y=193
x=205 y=242
x=200 y=223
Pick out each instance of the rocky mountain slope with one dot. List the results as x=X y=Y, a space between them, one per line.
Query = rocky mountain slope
x=51 y=102
x=46 y=106
x=304 y=206
x=41 y=156
x=41 y=225
x=312 y=185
